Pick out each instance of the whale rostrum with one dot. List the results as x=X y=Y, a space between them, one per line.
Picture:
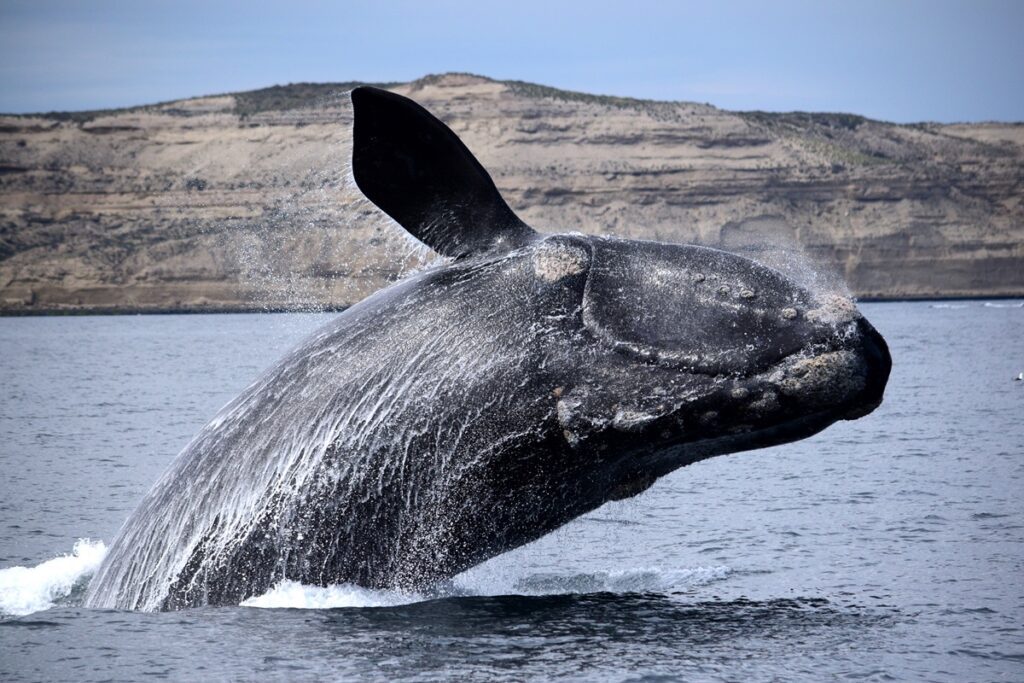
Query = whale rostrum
x=477 y=405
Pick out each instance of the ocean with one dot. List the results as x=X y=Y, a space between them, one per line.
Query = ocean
x=888 y=548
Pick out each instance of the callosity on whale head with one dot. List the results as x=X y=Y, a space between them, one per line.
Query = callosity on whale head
x=479 y=404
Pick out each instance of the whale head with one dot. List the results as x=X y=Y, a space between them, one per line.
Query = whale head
x=675 y=353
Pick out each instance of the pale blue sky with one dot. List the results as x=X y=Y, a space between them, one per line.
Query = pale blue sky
x=900 y=61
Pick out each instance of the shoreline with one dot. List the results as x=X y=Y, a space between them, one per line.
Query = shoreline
x=203 y=310
x=182 y=310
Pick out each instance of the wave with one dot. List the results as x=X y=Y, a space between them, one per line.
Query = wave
x=293 y=595
x=984 y=304
x=24 y=590
x=652 y=580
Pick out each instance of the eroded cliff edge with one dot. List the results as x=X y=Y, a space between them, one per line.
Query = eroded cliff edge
x=243 y=201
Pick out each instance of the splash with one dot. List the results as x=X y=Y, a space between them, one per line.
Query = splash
x=295 y=595
x=24 y=590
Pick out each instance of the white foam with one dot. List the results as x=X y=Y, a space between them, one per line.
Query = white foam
x=294 y=595
x=24 y=590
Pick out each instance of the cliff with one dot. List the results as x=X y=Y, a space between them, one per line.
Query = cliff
x=244 y=201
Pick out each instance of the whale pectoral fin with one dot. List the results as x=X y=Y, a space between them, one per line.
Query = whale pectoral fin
x=417 y=171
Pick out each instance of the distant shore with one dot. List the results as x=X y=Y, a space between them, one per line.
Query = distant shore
x=183 y=310
x=204 y=310
x=211 y=203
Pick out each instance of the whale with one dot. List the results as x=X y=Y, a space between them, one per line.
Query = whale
x=520 y=381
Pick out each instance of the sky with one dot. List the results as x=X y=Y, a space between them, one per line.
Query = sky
x=896 y=60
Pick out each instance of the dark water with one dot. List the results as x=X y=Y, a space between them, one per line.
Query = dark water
x=888 y=548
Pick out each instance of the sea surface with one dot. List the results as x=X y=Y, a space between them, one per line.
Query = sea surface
x=890 y=548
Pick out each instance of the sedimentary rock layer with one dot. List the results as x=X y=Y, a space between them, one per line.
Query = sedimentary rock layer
x=244 y=201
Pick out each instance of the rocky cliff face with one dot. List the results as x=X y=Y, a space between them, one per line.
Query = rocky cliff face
x=244 y=201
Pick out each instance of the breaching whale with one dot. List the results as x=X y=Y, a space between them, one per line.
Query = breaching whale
x=478 y=405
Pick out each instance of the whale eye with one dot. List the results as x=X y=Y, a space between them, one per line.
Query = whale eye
x=690 y=307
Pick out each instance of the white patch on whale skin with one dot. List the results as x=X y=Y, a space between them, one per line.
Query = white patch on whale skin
x=554 y=261
x=566 y=409
x=835 y=310
x=629 y=420
x=825 y=379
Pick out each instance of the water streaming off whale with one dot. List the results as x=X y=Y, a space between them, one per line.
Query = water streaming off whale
x=348 y=427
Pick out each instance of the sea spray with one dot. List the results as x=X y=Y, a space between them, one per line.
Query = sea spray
x=24 y=590
x=474 y=583
x=295 y=595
